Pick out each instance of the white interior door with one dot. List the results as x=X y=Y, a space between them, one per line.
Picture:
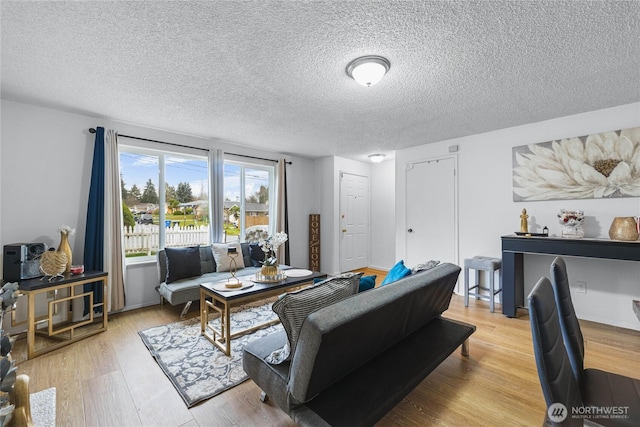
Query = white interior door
x=354 y=221
x=431 y=212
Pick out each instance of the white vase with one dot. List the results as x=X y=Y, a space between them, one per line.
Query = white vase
x=573 y=231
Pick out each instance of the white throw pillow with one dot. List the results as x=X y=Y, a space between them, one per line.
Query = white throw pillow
x=221 y=255
x=424 y=266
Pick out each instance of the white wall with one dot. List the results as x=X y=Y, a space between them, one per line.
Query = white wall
x=383 y=218
x=302 y=191
x=487 y=210
x=46 y=167
x=45 y=170
x=328 y=217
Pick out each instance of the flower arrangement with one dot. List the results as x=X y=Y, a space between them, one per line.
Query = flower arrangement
x=65 y=229
x=270 y=247
x=571 y=218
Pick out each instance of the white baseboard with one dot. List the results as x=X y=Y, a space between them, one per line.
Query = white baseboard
x=633 y=326
x=142 y=305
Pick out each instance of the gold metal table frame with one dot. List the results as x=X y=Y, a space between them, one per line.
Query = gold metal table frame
x=221 y=302
x=34 y=287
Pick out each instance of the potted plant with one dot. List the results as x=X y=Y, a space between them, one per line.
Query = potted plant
x=8 y=296
x=270 y=247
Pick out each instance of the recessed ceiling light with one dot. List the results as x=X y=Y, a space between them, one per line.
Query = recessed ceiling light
x=368 y=70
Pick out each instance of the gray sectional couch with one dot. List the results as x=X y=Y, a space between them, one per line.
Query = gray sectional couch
x=357 y=358
x=184 y=291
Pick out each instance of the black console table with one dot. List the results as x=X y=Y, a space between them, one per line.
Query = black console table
x=514 y=248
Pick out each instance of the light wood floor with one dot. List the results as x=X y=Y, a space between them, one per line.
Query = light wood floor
x=110 y=379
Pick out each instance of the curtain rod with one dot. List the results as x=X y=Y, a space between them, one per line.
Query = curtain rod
x=92 y=130
x=257 y=158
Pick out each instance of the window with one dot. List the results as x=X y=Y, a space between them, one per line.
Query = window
x=164 y=199
x=248 y=191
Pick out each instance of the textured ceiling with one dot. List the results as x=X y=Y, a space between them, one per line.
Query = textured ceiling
x=272 y=74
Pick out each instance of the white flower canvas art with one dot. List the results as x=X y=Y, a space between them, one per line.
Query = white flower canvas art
x=602 y=165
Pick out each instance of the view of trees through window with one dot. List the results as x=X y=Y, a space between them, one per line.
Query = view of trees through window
x=164 y=200
x=247 y=191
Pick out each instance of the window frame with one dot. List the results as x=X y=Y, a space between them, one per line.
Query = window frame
x=264 y=165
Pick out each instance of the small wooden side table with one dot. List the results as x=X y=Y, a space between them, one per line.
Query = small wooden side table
x=34 y=287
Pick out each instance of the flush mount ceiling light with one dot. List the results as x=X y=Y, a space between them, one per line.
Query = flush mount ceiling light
x=368 y=70
x=376 y=158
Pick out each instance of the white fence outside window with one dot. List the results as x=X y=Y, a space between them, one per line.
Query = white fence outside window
x=146 y=238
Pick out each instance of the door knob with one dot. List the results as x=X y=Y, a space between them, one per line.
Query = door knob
x=344 y=230
x=410 y=230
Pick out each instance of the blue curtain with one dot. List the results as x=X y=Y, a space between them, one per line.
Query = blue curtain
x=94 y=232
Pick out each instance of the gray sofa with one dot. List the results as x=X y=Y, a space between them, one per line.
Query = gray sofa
x=357 y=358
x=186 y=290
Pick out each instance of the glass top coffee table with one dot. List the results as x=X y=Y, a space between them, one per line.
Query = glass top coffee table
x=223 y=299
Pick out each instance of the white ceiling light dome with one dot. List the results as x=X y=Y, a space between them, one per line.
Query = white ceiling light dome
x=368 y=70
x=377 y=158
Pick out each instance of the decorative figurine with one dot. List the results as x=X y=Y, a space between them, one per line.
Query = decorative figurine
x=233 y=282
x=524 y=224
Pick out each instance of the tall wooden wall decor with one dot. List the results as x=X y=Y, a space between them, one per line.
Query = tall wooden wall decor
x=314 y=242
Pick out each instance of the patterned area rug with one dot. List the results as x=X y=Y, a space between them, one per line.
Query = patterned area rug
x=196 y=368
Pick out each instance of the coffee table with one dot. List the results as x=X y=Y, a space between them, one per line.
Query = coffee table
x=222 y=300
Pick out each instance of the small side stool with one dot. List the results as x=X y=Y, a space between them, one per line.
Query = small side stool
x=489 y=266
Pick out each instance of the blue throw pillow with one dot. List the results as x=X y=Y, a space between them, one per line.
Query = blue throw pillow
x=366 y=283
x=397 y=272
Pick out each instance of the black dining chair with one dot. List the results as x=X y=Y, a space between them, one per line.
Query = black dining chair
x=571 y=332
x=597 y=387
x=559 y=386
